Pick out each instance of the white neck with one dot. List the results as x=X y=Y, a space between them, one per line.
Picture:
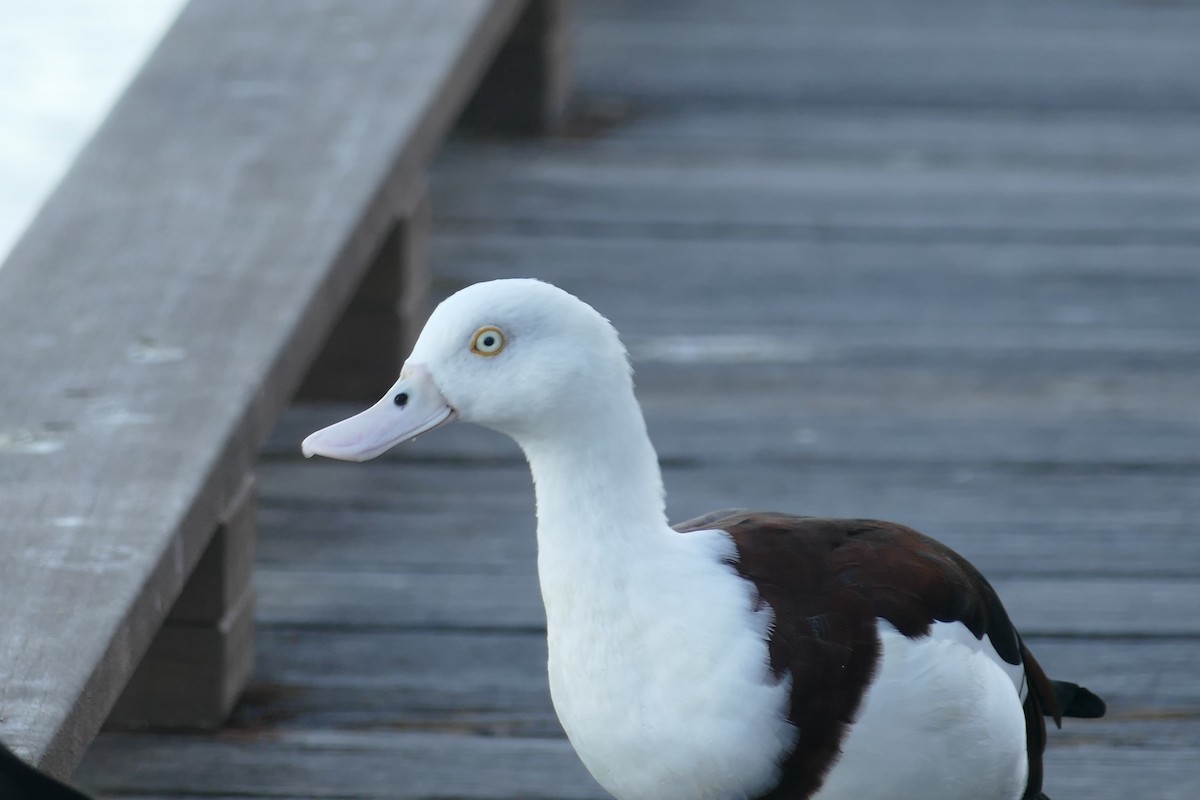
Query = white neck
x=658 y=659
x=600 y=502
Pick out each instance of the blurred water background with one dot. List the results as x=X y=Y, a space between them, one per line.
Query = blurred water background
x=62 y=65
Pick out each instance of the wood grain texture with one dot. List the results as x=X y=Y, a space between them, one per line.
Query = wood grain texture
x=403 y=601
x=1045 y=291
x=192 y=673
x=494 y=682
x=928 y=54
x=351 y=764
x=564 y=189
x=201 y=658
x=526 y=89
x=1084 y=520
x=164 y=304
x=1059 y=140
x=1019 y=423
x=931 y=262
x=223 y=574
x=418 y=765
x=364 y=351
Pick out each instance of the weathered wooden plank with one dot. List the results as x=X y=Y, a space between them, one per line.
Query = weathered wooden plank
x=947 y=299
x=395 y=765
x=192 y=673
x=1113 y=772
x=1050 y=517
x=779 y=424
x=384 y=316
x=1043 y=269
x=494 y=683
x=395 y=600
x=1059 y=141
x=201 y=658
x=781 y=427
x=487 y=540
x=1140 y=678
x=416 y=765
x=481 y=540
x=771 y=434
x=456 y=514
x=933 y=53
x=489 y=683
x=1045 y=290
x=1102 y=15
x=526 y=89
x=312 y=598
x=221 y=230
x=222 y=575
x=567 y=190
x=907 y=383
x=937 y=497
x=929 y=492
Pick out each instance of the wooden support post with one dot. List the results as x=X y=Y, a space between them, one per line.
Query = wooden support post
x=201 y=659
x=362 y=356
x=525 y=91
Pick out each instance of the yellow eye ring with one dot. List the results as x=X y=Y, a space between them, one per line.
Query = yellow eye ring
x=487 y=341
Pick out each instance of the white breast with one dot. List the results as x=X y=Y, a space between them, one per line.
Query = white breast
x=675 y=701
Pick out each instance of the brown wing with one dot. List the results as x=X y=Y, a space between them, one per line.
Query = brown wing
x=827 y=582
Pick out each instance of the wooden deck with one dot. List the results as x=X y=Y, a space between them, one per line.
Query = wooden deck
x=932 y=261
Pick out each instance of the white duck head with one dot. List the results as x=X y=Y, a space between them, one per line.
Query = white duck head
x=641 y=621
x=519 y=356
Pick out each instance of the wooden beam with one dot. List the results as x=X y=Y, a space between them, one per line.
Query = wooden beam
x=526 y=89
x=167 y=301
x=363 y=354
x=202 y=657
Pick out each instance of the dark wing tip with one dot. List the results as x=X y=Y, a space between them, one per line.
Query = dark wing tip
x=1076 y=701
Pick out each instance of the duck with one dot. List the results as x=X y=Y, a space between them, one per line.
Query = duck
x=742 y=654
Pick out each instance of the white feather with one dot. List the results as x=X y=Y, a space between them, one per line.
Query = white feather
x=658 y=657
x=941 y=721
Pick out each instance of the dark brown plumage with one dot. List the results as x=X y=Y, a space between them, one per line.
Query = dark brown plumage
x=827 y=582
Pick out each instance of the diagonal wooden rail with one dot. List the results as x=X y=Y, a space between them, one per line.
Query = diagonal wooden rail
x=170 y=298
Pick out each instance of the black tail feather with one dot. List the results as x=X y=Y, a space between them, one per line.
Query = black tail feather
x=1076 y=701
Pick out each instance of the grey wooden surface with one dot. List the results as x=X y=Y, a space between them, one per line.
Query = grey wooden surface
x=169 y=296
x=927 y=261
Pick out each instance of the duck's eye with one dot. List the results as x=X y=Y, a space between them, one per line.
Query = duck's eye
x=487 y=341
